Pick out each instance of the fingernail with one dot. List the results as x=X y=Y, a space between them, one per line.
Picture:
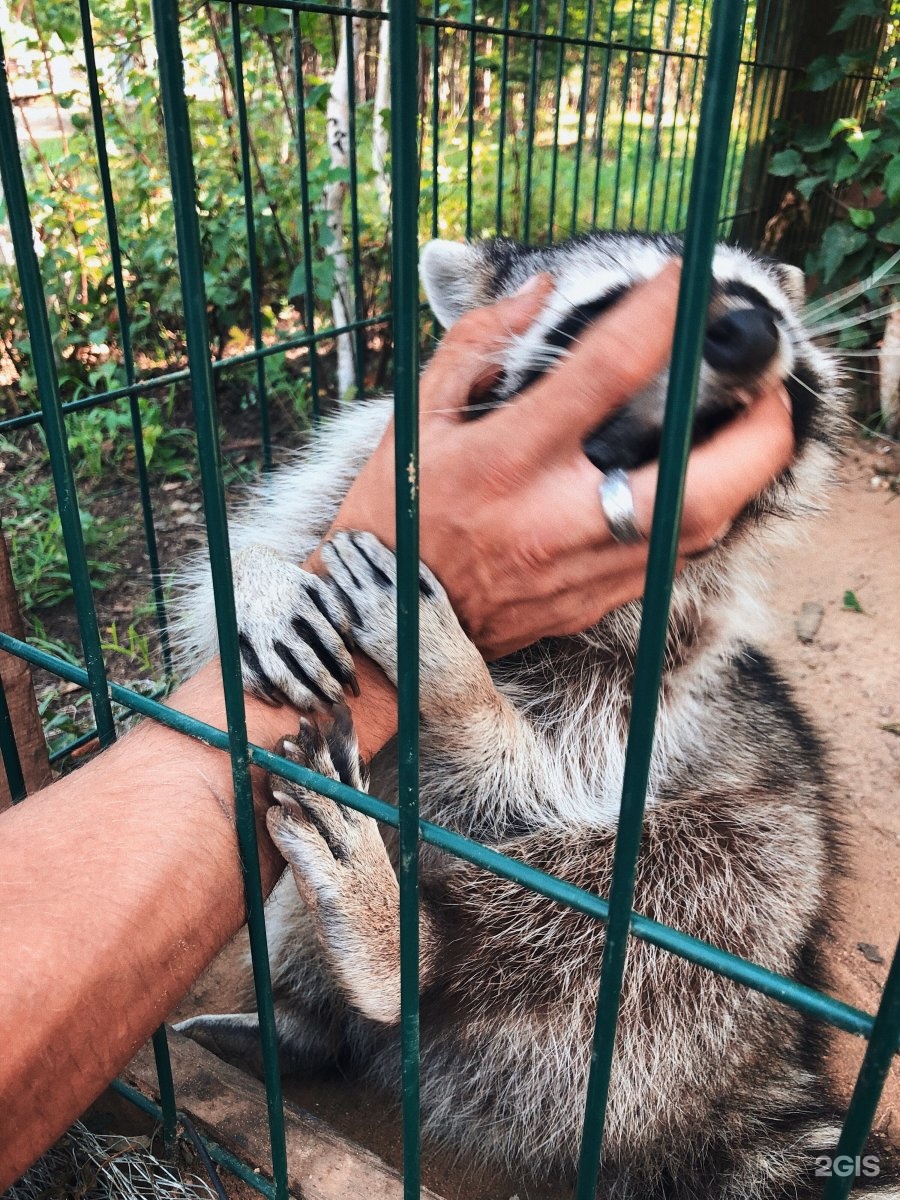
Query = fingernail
x=785 y=399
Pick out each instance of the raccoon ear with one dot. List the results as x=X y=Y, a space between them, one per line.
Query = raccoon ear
x=793 y=281
x=452 y=274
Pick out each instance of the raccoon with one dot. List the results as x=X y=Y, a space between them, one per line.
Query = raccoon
x=717 y=1092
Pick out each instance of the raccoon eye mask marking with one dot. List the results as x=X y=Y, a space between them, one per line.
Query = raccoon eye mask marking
x=748 y=338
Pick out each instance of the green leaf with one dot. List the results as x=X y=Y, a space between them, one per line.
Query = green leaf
x=847 y=167
x=839 y=242
x=890 y=233
x=851 y=602
x=842 y=124
x=297 y=286
x=862 y=218
x=862 y=143
x=807 y=186
x=853 y=11
x=786 y=162
x=822 y=73
x=812 y=141
x=892 y=180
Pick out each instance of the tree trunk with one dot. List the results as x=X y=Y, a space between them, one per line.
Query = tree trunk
x=16 y=677
x=382 y=105
x=338 y=126
x=889 y=374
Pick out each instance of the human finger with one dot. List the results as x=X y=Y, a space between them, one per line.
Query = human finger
x=618 y=356
x=726 y=472
x=468 y=359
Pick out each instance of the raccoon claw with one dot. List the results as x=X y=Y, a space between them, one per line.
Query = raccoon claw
x=294 y=636
x=363 y=574
x=316 y=835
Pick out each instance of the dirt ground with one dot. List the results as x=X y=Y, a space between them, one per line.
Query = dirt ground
x=848 y=678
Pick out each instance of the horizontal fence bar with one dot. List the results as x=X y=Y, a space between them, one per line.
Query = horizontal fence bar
x=511 y=31
x=779 y=987
x=143 y=386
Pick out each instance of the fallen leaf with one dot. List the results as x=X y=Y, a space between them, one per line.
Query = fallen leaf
x=851 y=602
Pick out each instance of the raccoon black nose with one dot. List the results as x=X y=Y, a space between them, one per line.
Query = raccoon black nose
x=741 y=341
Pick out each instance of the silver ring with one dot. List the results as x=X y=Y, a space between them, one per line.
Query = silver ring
x=617 y=502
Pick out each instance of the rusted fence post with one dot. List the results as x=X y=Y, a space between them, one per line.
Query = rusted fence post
x=16 y=676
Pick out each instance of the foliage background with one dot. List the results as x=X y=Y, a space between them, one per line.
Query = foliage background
x=580 y=136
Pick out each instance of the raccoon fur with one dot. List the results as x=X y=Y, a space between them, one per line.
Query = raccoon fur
x=717 y=1092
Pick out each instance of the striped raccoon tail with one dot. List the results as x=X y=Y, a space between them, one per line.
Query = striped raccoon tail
x=795 y=1159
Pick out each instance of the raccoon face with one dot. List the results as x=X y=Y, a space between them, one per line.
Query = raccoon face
x=753 y=334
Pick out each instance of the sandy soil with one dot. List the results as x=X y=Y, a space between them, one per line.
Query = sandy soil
x=848 y=679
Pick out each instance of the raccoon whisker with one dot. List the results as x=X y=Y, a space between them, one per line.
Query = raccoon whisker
x=850 y=322
x=882 y=437
x=830 y=306
x=845 y=295
x=804 y=384
x=874 y=353
x=861 y=424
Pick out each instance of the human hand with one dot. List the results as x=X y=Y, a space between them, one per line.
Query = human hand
x=510 y=518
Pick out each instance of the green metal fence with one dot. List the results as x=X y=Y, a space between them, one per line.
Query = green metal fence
x=541 y=186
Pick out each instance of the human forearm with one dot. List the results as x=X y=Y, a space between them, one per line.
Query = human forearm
x=142 y=887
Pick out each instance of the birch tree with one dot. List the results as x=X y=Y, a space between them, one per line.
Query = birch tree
x=338 y=135
x=382 y=104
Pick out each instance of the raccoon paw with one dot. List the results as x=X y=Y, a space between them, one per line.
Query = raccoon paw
x=322 y=840
x=293 y=633
x=364 y=575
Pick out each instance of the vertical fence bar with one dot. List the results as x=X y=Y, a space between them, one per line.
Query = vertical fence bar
x=60 y=465
x=181 y=171
x=435 y=114
x=405 y=177
x=554 y=161
x=582 y=109
x=739 y=139
x=626 y=82
x=658 y=114
x=690 y=326
x=533 y=95
x=166 y=1082
x=359 y=344
x=695 y=72
x=240 y=100
x=44 y=359
x=9 y=752
x=309 y=306
x=673 y=137
x=602 y=106
x=115 y=255
x=501 y=136
x=869 y=1083
x=470 y=121
x=640 y=138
